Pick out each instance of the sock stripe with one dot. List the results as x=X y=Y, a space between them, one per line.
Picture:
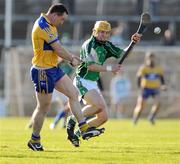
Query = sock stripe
x=83 y=127
x=35 y=137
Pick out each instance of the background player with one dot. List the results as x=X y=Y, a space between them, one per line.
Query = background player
x=150 y=80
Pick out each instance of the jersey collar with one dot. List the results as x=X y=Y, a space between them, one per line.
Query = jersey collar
x=47 y=20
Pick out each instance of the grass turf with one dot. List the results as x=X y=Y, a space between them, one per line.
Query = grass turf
x=121 y=143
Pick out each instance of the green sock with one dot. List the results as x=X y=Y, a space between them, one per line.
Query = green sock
x=78 y=133
x=71 y=119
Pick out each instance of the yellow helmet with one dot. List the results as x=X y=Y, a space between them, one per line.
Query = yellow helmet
x=102 y=26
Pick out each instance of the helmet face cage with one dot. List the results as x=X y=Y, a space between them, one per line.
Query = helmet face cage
x=101 y=26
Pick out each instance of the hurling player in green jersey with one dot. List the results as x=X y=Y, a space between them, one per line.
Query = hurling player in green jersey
x=93 y=54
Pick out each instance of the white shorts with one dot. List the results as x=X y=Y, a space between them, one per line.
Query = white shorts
x=84 y=85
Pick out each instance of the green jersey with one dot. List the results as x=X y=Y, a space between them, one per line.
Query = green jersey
x=95 y=52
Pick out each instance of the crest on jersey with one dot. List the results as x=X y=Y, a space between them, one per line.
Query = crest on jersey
x=51 y=35
x=93 y=55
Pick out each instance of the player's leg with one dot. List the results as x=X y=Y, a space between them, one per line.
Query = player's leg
x=141 y=102
x=155 y=108
x=65 y=86
x=66 y=110
x=96 y=105
x=30 y=124
x=43 y=106
x=44 y=86
x=91 y=94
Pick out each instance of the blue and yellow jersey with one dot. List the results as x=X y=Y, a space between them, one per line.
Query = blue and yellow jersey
x=150 y=76
x=43 y=35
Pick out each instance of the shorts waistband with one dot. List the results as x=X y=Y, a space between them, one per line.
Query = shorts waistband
x=41 y=68
x=80 y=78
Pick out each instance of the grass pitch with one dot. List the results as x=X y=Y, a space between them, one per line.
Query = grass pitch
x=121 y=143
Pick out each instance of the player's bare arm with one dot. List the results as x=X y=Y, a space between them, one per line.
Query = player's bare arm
x=63 y=53
x=104 y=68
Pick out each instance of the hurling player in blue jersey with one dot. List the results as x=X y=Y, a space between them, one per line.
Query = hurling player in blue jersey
x=46 y=75
x=150 y=80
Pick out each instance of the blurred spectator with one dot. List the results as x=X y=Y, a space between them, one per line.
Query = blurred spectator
x=117 y=34
x=168 y=38
x=70 y=4
x=139 y=7
x=154 y=7
x=34 y=6
x=66 y=39
x=119 y=90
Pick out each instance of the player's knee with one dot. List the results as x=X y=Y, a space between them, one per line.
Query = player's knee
x=141 y=104
x=46 y=105
x=103 y=118
x=44 y=108
x=42 y=112
x=100 y=106
x=45 y=112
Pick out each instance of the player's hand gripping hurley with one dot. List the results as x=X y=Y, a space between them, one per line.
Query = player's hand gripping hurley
x=145 y=21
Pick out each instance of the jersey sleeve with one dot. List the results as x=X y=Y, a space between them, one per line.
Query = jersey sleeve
x=114 y=51
x=50 y=35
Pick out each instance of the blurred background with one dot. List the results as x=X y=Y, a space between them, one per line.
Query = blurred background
x=17 y=18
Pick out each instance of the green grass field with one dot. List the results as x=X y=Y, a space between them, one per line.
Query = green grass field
x=121 y=143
